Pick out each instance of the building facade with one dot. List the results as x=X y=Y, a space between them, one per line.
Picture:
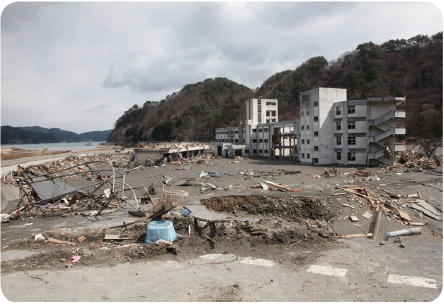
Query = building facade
x=331 y=130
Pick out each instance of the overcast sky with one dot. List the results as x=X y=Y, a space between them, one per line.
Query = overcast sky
x=78 y=66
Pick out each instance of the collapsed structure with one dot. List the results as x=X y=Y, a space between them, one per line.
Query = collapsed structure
x=331 y=130
x=149 y=154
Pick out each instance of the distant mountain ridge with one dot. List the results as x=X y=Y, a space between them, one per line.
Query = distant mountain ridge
x=36 y=134
x=12 y=135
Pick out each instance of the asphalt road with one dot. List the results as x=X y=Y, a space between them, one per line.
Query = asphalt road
x=366 y=271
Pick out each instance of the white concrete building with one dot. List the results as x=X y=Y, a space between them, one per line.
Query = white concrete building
x=331 y=130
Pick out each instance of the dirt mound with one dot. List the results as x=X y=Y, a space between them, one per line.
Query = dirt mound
x=266 y=238
x=287 y=208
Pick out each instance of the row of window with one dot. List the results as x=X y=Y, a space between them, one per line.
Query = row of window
x=351 y=156
x=254 y=140
x=350 y=110
x=260 y=130
x=228 y=140
x=351 y=125
x=228 y=132
x=351 y=140
x=260 y=151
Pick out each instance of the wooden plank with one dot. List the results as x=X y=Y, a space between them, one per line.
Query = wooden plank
x=347 y=205
x=417 y=224
x=115 y=237
x=404 y=215
x=367 y=215
x=59 y=241
x=354 y=218
x=353 y=235
x=81 y=238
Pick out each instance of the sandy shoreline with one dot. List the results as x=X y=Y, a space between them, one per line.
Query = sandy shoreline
x=10 y=165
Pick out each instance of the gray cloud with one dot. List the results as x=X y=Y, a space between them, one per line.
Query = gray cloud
x=80 y=58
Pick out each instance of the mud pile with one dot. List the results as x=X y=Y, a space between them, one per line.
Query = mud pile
x=267 y=237
x=287 y=207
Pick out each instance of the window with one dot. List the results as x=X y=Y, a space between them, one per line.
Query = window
x=303 y=128
x=338 y=155
x=338 y=126
x=352 y=140
x=316 y=148
x=308 y=155
x=316 y=133
x=266 y=140
x=351 y=156
x=236 y=140
x=315 y=104
x=254 y=151
x=260 y=130
x=260 y=140
x=270 y=103
x=316 y=119
x=303 y=141
x=254 y=130
x=302 y=113
x=303 y=155
x=308 y=127
x=266 y=130
x=254 y=140
x=273 y=113
x=308 y=113
x=273 y=120
x=244 y=140
x=308 y=141
x=351 y=109
x=338 y=140
x=236 y=132
x=260 y=151
x=338 y=110
x=265 y=151
x=351 y=125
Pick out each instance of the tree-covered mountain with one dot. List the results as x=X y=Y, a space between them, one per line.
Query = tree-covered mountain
x=61 y=135
x=412 y=68
x=12 y=135
x=69 y=136
x=95 y=135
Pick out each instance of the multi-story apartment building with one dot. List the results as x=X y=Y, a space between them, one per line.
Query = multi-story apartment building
x=331 y=130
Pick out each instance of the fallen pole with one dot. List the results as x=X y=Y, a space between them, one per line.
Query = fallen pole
x=409 y=231
x=376 y=225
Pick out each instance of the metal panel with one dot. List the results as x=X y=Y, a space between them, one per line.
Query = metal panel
x=52 y=189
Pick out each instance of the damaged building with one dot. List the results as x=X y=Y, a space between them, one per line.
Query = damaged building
x=331 y=130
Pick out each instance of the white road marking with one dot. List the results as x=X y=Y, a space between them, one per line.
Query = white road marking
x=258 y=262
x=327 y=270
x=210 y=256
x=413 y=281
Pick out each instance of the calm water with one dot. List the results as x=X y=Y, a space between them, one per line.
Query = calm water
x=74 y=147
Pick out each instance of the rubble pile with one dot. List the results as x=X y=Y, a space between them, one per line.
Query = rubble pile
x=47 y=187
x=390 y=204
x=418 y=160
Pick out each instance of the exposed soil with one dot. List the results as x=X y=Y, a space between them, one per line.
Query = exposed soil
x=281 y=233
x=289 y=208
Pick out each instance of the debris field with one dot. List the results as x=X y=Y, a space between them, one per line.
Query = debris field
x=267 y=208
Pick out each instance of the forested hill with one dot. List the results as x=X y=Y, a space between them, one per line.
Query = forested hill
x=412 y=68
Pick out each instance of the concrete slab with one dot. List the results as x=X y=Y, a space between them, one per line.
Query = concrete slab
x=16 y=254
